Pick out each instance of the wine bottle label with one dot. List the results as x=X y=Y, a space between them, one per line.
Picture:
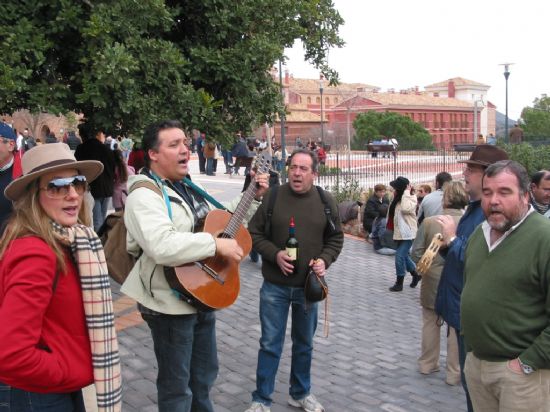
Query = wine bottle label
x=292 y=252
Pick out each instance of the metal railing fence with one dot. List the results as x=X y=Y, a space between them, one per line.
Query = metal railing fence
x=369 y=169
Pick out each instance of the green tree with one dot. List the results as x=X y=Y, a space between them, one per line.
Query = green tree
x=373 y=125
x=125 y=63
x=532 y=158
x=536 y=119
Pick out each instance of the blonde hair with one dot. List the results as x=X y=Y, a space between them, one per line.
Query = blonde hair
x=29 y=219
x=454 y=195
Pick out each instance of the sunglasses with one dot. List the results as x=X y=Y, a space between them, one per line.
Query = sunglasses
x=59 y=188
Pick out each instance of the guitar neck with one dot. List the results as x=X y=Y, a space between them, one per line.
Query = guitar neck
x=238 y=216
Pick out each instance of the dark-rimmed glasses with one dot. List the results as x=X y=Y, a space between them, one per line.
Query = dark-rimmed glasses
x=60 y=187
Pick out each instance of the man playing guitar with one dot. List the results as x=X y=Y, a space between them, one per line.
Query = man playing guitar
x=162 y=231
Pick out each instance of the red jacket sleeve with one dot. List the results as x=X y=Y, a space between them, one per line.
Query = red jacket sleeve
x=27 y=273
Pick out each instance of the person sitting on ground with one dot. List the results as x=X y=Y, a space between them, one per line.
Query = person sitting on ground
x=372 y=208
x=382 y=238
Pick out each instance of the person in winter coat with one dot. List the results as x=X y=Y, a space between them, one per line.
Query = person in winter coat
x=402 y=220
x=93 y=148
x=373 y=206
x=58 y=334
x=455 y=200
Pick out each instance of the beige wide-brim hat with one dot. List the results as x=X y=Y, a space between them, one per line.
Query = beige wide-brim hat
x=48 y=158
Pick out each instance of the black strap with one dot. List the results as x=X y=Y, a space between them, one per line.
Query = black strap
x=270 y=206
x=328 y=212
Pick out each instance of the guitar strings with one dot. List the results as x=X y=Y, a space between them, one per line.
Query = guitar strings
x=236 y=220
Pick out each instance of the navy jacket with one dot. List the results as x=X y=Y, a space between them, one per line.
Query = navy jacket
x=447 y=302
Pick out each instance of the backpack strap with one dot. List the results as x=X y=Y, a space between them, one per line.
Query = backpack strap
x=270 y=206
x=328 y=211
x=146 y=184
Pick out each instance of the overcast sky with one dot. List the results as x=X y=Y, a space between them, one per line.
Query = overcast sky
x=401 y=43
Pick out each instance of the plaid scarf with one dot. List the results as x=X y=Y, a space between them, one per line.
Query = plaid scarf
x=87 y=251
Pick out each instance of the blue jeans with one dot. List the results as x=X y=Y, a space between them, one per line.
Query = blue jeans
x=275 y=301
x=227 y=159
x=185 y=348
x=462 y=361
x=99 y=213
x=403 y=262
x=211 y=165
x=18 y=400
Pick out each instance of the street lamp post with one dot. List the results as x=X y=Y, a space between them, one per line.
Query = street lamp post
x=506 y=75
x=322 y=123
x=282 y=121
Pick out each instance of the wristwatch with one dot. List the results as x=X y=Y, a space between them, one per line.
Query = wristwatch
x=525 y=368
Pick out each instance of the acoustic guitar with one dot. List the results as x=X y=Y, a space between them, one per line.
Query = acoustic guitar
x=214 y=283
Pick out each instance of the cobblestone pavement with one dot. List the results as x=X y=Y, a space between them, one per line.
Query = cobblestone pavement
x=368 y=362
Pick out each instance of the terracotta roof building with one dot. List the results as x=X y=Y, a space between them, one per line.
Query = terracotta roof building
x=446 y=109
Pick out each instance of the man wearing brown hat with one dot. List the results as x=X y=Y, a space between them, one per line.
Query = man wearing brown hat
x=447 y=304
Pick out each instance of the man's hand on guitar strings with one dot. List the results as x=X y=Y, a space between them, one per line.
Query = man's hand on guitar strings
x=262 y=183
x=229 y=248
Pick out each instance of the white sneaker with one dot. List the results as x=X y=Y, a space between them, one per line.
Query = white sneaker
x=308 y=404
x=258 y=407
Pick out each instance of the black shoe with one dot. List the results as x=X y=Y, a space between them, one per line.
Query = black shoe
x=398 y=287
x=416 y=278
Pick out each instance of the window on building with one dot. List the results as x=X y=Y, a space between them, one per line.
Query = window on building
x=335 y=100
x=318 y=100
x=309 y=100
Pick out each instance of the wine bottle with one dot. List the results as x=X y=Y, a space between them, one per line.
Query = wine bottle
x=292 y=244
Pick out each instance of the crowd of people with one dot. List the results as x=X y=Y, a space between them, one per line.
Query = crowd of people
x=495 y=305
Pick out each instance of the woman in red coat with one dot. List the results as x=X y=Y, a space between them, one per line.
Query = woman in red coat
x=52 y=326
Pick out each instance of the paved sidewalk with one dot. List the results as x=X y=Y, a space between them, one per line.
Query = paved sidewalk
x=368 y=362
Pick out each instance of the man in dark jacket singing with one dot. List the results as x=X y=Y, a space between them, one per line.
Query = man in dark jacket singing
x=320 y=240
